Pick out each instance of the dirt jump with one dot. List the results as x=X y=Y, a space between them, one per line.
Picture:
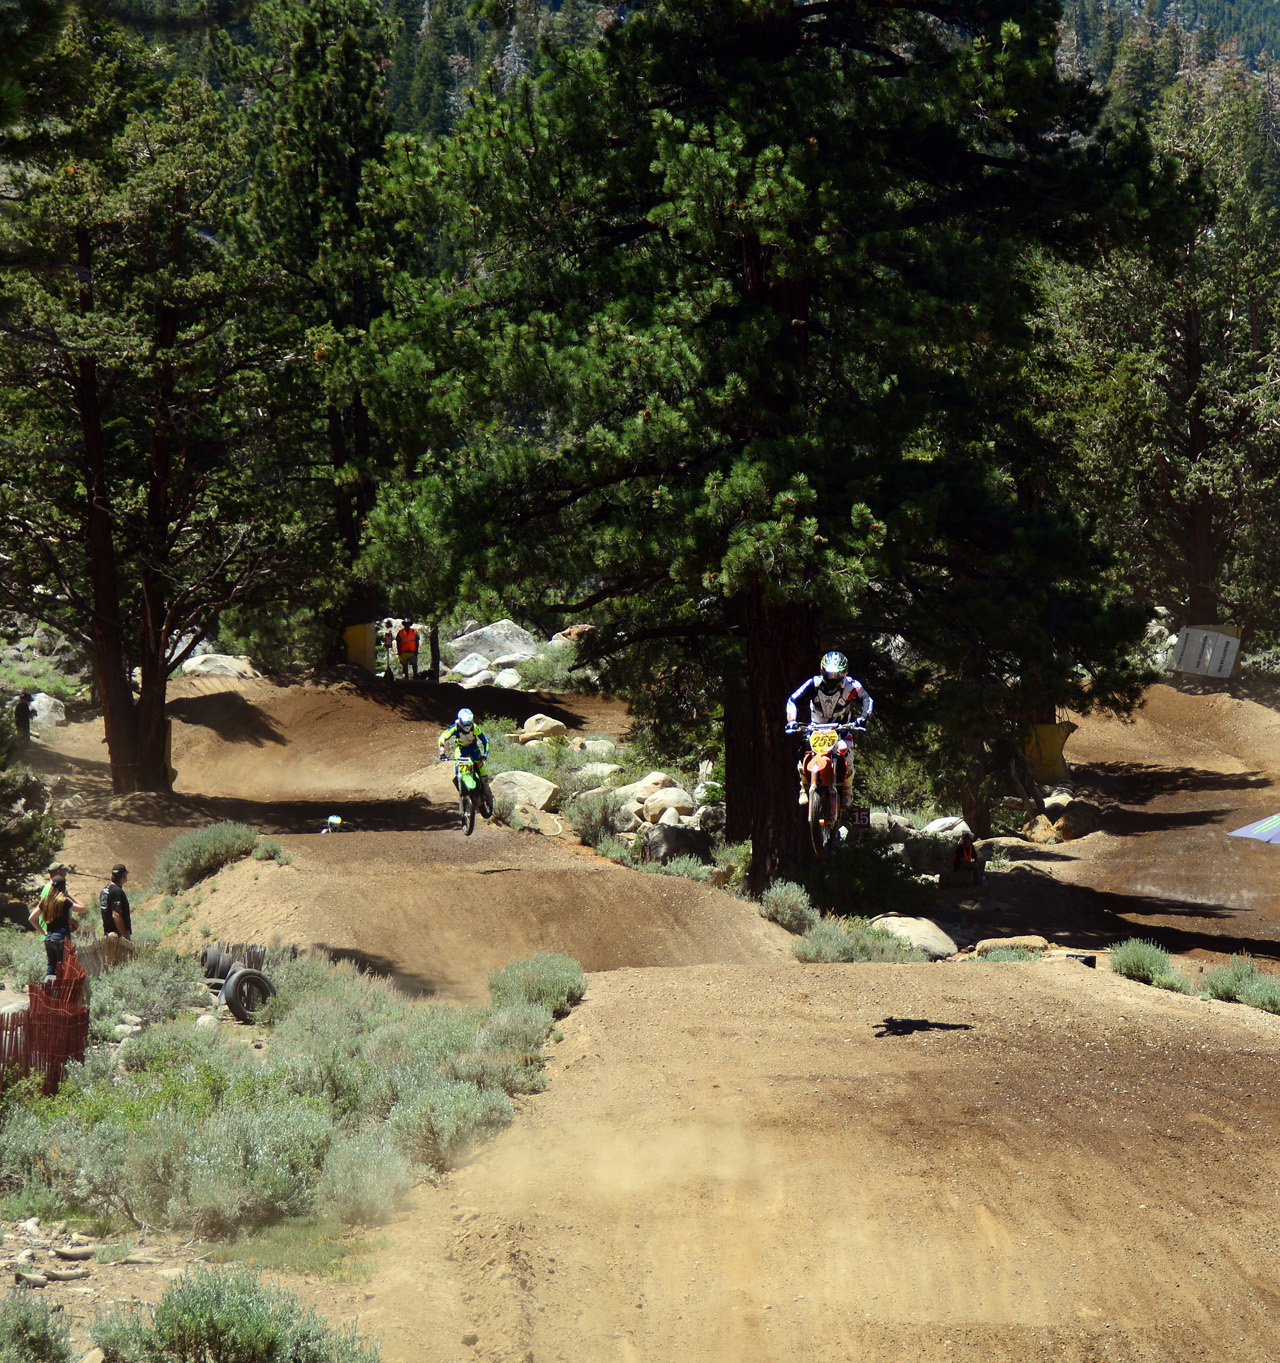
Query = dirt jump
x=739 y=1157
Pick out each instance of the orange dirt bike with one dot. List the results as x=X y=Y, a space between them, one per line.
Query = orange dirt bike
x=820 y=779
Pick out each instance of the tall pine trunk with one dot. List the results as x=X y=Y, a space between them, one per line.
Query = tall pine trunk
x=782 y=641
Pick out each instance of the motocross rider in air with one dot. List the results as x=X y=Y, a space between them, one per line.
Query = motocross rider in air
x=830 y=695
x=469 y=740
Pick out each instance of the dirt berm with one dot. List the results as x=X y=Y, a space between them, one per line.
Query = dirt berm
x=741 y=1158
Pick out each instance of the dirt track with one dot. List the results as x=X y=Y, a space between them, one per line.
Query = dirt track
x=742 y=1158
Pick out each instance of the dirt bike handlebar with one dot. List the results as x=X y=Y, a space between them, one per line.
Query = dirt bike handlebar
x=843 y=730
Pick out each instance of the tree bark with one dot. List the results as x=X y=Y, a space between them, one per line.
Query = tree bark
x=433 y=636
x=782 y=642
x=973 y=804
x=110 y=660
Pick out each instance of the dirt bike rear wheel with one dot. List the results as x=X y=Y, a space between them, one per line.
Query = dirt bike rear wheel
x=819 y=835
x=467 y=808
x=484 y=800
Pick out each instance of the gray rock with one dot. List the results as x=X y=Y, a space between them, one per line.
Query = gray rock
x=711 y=819
x=50 y=713
x=599 y=747
x=646 y=786
x=514 y=659
x=219 y=665
x=708 y=792
x=951 y=823
x=598 y=771
x=502 y=637
x=45 y=640
x=471 y=664
x=669 y=818
x=891 y=823
x=540 y=726
x=508 y=679
x=922 y=934
x=668 y=798
x=665 y=841
x=526 y=789
x=485 y=678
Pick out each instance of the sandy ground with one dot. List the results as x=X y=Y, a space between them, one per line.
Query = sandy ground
x=742 y=1158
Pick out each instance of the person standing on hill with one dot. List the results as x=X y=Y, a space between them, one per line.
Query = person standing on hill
x=23 y=713
x=407 y=648
x=114 y=904
x=53 y=916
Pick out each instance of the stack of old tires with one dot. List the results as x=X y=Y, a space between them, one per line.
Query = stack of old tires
x=236 y=972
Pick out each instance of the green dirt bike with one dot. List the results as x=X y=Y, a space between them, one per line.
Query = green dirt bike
x=473 y=793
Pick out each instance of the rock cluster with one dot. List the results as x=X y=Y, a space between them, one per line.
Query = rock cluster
x=495 y=654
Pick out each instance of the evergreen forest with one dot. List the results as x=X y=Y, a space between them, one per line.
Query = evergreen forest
x=942 y=334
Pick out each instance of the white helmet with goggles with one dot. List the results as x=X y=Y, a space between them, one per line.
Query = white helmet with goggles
x=465 y=721
x=835 y=667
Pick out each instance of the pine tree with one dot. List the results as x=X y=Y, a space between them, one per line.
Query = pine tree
x=723 y=352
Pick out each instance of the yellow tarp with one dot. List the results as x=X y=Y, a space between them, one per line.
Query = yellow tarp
x=361 y=641
x=1044 y=748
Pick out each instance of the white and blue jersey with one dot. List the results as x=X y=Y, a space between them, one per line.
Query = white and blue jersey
x=828 y=707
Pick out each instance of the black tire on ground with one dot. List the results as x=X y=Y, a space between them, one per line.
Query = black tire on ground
x=216 y=963
x=247 y=991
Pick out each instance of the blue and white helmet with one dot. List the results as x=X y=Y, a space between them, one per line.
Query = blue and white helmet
x=465 y=721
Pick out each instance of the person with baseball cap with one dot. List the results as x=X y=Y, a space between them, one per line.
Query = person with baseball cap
x=114 y=904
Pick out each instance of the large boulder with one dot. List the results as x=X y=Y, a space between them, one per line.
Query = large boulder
x=646 y=786
x=711 y=819
x=572 y=635
x=1040 y=830
x=922 y=934
x=894 y=824
x=540 y=726
x=1030 y=942
x=670 y=840
x=219 y=665
x=471 y=664
x=50 y=713
x=513 y=659
x=668 y=798
x=598 y=771
x=526 y=789
x=483 y=678
x=508 y=679
x=1076 y=820
x=503 y=636
x=951 y=823
x=599 y=747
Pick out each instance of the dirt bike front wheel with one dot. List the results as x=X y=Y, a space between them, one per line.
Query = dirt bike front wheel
x=467 y=808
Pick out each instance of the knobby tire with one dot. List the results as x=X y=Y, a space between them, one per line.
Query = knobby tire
x=467 y=808
x=819 y=837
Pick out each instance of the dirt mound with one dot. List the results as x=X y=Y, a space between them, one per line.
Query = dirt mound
x=903 y=1162
x=400 y=889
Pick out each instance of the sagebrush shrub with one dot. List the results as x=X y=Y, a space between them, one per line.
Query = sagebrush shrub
x=548 y=978
x=200 y=853
x=364 y=1180
x=595 y=817
x=436 y=1124
x=787 y=904
x=226 y=1317
x=155 y=986
x=851 y=941
x=31 y=1332
x=1140 y=960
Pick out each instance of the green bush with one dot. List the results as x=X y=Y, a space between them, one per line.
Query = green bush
x=271 y=849
x=1148 y=963
x=1243 y=982
x=548 y=978
x=365 y=1179
x=788 y=905
x=438 y=1123
x=616 y=850
x=31 y=1332
x=1140 y=960
x=155 y=986
x=504 y=807
x=200 y=853
x=595 y=817
x=228 y=1316
x=851 y=940
x=1004 y=955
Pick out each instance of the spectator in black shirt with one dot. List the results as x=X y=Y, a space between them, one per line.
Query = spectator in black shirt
x=115 y=905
